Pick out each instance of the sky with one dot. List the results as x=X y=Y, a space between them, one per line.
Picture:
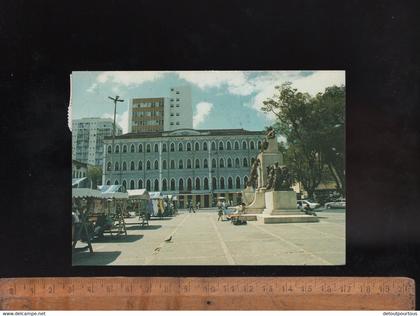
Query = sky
x=220 y=99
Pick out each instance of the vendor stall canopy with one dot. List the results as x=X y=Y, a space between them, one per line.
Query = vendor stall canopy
x=79 y=183
x=86 y=193
x=113 y=191
x=140 y=194
x=156 y=195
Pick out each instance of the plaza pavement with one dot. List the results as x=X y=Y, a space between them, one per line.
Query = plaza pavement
x=199 y=239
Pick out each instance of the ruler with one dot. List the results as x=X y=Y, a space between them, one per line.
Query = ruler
x=219 y=293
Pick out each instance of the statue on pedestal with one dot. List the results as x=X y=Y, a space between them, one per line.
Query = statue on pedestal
x=271 y=133
x=253 y=176
x=278 y=178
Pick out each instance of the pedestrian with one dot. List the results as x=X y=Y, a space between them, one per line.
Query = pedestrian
x=220 y=213
x=197 y=206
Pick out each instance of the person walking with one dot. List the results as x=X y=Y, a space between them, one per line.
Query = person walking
x=220 y=213
x=197 y=206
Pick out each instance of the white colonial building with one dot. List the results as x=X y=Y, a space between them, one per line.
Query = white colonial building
x=197 y=165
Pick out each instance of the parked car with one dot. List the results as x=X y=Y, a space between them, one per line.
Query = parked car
x=301 y=204
x=340 y=203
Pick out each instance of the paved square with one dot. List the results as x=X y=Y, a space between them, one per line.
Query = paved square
x=199 y=239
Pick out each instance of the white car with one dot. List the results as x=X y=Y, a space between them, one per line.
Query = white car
x=336 y=204
x=301 y=204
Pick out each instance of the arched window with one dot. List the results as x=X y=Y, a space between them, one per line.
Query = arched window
x=205 y=164
x=180 y=147
x=230 y=183
x=148 y=185
x=245 y=181
x=197 y=183
x=244 y=145
x=188 y=146
x=124 y=184
x=172 y=147
x=117 y=148
x=148 y=165
x=156 y=165
x=132 y=165
x=109 y=149
x=108 y=182
x=164 y=166
x=237 y=165
x=172 y=164
x=221 y=163
x=117 y=166
x=252 y=160
x=140 y=148
x=238 y=182
x=172 y=184
x=259 y=144
x=156 y=148
x=214 y=183
x=116 y=182
x=206 y=184
x=222 y=183
x=140 y=165
x=228 y=145
x=148 y=148
x=213 y=146
x=236 y=145
x=252 y=145
x=181 y=184
x=124 y=148
x=229 y=163
x=213 y=163
x=124 y=166
x=188 y=163
x=220 y=145
x=245 y=164
x=108 y=166
x=180 y=164
x=156 y=186
x=164 y=148
x=131 y=148
x=131 y=184
x=205 y=146
x=164 y=185
x=197 y=164
x=140 y=184
x=189 y=184
x=197 y=146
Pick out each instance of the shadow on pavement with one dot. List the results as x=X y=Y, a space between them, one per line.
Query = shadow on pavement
x=95 y=258
x=160 y=219
x=117 y=239
x=139 y=227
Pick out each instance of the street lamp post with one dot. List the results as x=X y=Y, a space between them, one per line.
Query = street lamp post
x=116 y=99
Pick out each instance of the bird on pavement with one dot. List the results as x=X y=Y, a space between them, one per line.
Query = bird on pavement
x=169 y=239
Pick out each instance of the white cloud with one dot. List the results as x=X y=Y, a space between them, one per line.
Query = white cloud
x=203 y=109
x=236 y=81
x=312 y=84
x=121 y=119
x=92 y=88
x=128 y=78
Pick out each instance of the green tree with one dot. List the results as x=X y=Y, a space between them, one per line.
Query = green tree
x=312 y=127
x=94 y=175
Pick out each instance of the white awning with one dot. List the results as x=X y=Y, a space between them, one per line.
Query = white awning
x=138 y=194
x=85 y=193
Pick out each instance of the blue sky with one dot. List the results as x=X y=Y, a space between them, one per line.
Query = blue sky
x=220 y=99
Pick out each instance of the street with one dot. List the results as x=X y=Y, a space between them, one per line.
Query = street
x=199 y=239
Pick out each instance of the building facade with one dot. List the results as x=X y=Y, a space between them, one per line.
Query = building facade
x=87 y=139
x=195 y=165
x=161 y=114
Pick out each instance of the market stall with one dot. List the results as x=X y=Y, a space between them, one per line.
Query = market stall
x=138 y=203
x=85 y=202
x=117 y=202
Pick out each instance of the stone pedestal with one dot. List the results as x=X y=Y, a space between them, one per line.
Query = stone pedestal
x=281 y=207
x=248 y=195
x=258 y=204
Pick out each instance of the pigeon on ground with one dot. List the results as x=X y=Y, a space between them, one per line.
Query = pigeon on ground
x=156 y=249
x=169 y=239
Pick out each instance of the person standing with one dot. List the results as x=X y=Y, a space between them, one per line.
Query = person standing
x=197 y=206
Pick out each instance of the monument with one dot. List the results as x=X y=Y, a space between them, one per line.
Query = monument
x=268 y=193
